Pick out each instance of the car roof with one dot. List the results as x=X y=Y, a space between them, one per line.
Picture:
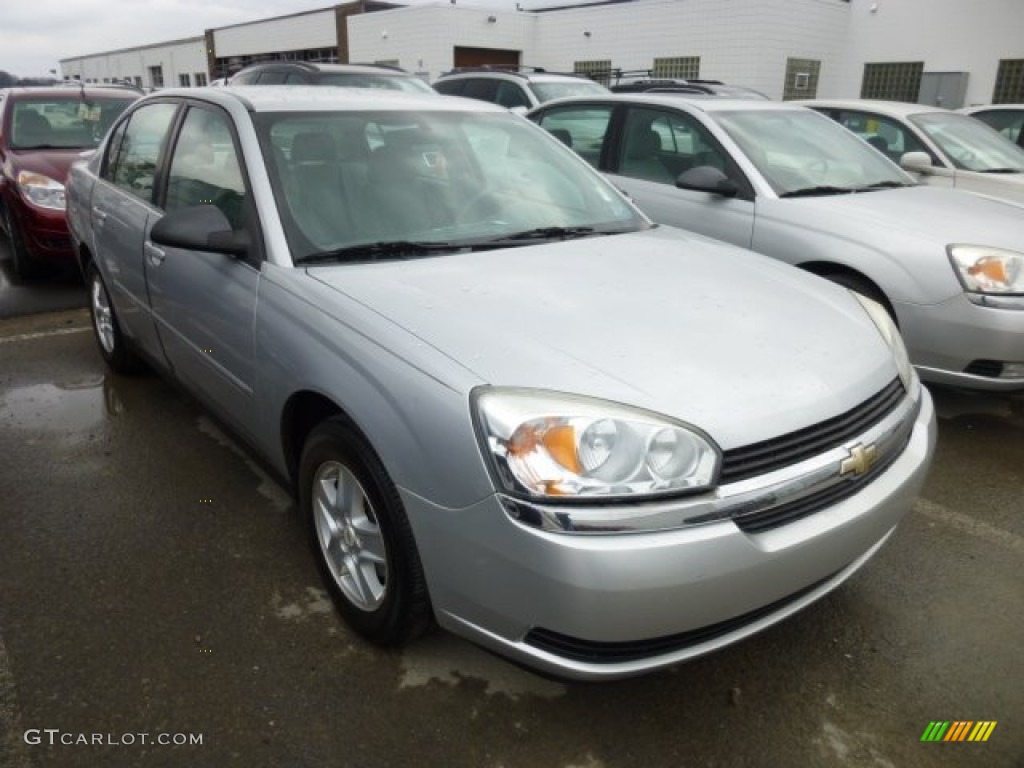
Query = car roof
x=892 y=108
x=993 y=107
x=699 y=101
x=514 y=74
x=312 y=98
x=315 y=66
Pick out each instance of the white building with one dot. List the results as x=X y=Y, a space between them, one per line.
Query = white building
x=952 y=52
x=174 y=63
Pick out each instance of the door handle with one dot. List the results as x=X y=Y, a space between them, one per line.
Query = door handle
x=155 y=256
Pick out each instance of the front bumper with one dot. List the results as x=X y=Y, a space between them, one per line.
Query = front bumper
x=43 y=230
x=945 y=339
x=607 y=606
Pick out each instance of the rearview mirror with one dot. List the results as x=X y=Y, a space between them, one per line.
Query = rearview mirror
x=200 y=228
x=916 y=161
x=707 y=178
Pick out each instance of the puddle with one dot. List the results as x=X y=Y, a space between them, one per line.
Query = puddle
x=954 y=404
x=72 y=408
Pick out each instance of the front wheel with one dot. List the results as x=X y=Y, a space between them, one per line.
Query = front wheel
x=361 y=536
x=22 y=260
x=106 y=328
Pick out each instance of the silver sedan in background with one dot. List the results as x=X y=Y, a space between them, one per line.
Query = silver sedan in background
x=790 y=183
x=505 y=400
x=940 y=147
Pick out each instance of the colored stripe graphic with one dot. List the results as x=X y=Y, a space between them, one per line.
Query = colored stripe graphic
x=982 y=730
x=958 y=730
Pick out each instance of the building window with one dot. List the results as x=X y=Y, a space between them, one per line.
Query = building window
x=200 y=79
x=156 y=77
x=677 y=68
x=596 y=69
x=801 y=79
x=898 y=81
x=1009 y=82
x=184 y=80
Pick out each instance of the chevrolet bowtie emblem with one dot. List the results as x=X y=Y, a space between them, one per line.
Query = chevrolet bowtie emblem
x=860 y=460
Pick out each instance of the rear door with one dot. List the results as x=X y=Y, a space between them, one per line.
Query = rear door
x=123 y=210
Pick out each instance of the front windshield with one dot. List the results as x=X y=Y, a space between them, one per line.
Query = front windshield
x=566 y=88
x=407 y=83
x=64 y=121
x=800 y=151
x=462 y=179
x=969 y=144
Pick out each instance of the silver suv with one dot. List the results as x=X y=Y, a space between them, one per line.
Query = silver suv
x=380 y=76
x=522 y=88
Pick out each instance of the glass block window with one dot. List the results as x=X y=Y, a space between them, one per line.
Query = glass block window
x=897 y=81
x=1009 y=82
x=677 y=68
x=801 y=79
x=596 y=69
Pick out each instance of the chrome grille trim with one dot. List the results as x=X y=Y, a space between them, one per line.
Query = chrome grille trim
x=756 y=504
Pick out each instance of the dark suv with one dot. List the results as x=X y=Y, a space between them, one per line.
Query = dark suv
x=692 y=87
x=43 y=131
x=346 y=75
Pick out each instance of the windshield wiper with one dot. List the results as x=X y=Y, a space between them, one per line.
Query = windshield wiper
x=1003 y=170
x=821 y=190
x=548 y=233
x=386 y=249
x=884 y=185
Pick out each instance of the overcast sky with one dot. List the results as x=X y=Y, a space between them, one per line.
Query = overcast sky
x=36 y=34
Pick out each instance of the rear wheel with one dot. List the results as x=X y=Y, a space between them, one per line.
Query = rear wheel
x=361 y=536
x=111 y=341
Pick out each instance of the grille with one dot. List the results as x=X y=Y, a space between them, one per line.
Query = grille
x=991 y=369
x=596 y=652
x=783 y=514
x=769 y=455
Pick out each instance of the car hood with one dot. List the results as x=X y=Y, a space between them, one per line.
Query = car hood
x=739 y=345
x=54 y=163
x=923 y=213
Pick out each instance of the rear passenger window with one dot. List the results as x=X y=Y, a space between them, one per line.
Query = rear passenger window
x=133 y=161
x=511 y=95
x=205 y=168
x=271 y=78
x=480 y=88
x=450 y=87
x=580 y=128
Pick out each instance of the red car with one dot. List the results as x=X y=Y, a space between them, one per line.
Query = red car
x=42 y=132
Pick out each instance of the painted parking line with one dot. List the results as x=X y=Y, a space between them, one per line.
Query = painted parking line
x=971 y=525
x=42 y=334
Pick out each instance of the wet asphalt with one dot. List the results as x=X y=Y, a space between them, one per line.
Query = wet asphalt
x=153 y=580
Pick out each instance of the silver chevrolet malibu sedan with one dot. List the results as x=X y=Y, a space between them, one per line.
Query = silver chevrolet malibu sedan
x=506 y=401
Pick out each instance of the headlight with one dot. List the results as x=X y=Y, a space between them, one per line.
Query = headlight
x=891 y=334
x=555 y=446
x=988 y=270
x=41 y=190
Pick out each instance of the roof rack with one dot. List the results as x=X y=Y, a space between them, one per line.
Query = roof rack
x=520 y=70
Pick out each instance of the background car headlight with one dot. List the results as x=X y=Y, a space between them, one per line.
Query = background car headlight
x=41 y=190
x=988 y=270
x=555 y=446
x=887 y=328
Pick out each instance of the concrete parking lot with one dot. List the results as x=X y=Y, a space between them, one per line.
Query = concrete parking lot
x=154 y=580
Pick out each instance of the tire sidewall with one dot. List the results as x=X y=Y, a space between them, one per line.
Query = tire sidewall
x=120 y=359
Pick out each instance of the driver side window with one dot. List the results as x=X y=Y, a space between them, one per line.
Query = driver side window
x=205 y=168
x=658 y=146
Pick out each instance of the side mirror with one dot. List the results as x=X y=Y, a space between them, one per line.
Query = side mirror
x=519 y=110
x=916 y=161
x=707 y=178
x=200 y=228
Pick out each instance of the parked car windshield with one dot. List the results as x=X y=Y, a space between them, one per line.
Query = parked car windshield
x=564 y=89
x=448 y=179
x=409 y=84
x=800 y=151
x=969 y=144
x=64 y=121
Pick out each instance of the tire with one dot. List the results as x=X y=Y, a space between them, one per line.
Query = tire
x=361 y=536
x=111 y=342
x=24 y=268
